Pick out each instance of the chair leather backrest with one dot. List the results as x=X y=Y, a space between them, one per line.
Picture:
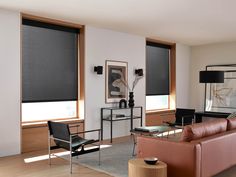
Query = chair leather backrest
x=180 y=112
x=59 y=130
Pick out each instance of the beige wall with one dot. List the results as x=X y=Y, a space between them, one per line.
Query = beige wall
x=223 y=53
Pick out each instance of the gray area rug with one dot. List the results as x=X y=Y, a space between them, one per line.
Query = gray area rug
x=114 y=159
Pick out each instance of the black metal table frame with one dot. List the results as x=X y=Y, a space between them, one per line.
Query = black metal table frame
x=111 y=120
x=199 y=115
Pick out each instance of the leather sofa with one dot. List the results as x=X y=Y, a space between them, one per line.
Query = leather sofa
x=203 y=150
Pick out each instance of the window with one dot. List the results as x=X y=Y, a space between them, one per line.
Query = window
x=49 y=71
x=157 y=102
x=158 y=66
x=40 y=111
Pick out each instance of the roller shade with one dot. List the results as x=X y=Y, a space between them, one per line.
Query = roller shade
x=157 y=69
x=49 y=62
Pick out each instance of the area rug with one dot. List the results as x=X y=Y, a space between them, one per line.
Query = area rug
x=114 y=159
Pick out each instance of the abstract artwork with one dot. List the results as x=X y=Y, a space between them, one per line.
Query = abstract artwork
x=221 y=97
x=116 y=77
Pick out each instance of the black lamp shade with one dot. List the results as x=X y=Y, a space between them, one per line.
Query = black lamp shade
x=211 y=76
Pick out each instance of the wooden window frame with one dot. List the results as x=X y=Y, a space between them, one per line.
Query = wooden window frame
x=172 y=95
x=81 y=80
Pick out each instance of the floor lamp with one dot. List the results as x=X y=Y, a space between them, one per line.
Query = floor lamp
x=210 y=77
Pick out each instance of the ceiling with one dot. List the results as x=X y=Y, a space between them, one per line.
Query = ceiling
x=191 y=22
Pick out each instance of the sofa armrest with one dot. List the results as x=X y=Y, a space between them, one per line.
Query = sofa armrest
x=183 y=159
x=217 y=153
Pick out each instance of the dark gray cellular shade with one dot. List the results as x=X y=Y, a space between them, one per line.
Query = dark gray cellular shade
x=157 y=69
x=49 y=63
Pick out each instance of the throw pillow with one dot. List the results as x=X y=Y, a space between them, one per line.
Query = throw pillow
x=231 y=121
x=232 y=115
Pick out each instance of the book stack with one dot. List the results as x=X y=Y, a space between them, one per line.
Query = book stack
x=116 y=116
x=147 y=129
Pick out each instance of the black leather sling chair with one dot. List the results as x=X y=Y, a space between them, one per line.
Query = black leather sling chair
x=183 y=117
x=72 y=142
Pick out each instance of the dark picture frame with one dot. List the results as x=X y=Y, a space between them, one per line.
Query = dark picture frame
x=115 y=89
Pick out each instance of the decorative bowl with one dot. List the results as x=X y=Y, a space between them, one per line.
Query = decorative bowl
x=151 y=160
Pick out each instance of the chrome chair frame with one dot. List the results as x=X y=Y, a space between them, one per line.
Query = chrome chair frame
x=183 y=117
x=76 y=152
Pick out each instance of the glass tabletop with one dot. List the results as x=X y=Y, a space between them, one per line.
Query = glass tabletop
x=152 y=129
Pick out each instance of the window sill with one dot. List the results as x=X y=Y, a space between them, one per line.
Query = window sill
x=160 y=111
x=26 y=125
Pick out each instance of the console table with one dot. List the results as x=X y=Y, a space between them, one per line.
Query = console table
x=199 y=115
x=128 y=115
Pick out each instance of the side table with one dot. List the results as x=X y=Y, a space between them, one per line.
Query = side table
x=138 y=168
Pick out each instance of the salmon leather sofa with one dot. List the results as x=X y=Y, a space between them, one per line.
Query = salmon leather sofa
x=203 y=150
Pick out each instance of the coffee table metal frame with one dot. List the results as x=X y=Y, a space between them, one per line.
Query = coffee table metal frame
x=161 y=129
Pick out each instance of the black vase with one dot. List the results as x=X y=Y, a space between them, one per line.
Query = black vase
x=131 y=99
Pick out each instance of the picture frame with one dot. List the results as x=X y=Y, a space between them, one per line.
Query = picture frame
x=115 y=90
x=221 y=97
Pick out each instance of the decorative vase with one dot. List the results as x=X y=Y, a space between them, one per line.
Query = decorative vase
x=131 y=99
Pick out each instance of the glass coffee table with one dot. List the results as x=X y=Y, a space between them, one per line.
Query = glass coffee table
x=154 y=131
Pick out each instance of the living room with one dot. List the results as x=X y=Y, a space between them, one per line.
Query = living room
x=205 y=38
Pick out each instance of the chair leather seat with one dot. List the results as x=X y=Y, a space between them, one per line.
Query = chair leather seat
x=78 y=141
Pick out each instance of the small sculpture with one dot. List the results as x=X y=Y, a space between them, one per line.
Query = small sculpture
x=123 y=103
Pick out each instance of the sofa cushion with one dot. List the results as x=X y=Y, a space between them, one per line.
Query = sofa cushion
x=204 y=129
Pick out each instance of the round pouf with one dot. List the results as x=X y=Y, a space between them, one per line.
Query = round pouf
x=138 y=168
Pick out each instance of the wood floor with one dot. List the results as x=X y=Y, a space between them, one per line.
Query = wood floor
x=15 y=166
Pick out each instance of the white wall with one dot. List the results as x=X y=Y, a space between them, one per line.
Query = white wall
x=102 y=45
x=224 y=53
x=183 y=56
x=10 y=83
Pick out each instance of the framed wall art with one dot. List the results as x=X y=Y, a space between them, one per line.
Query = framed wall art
x=221 y=97
x=116 y=81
